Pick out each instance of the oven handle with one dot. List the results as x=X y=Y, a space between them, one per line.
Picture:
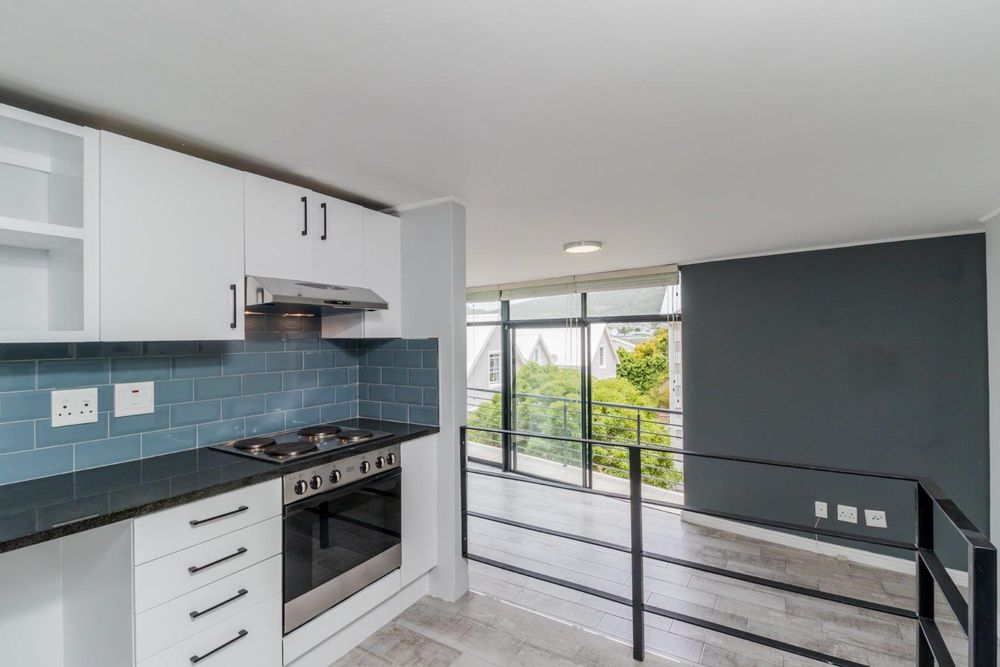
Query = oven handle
x=338 y=492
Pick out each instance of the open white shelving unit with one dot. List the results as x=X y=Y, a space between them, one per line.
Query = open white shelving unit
x=49 y=199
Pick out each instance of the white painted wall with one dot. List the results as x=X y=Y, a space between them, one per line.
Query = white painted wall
x=433 y=243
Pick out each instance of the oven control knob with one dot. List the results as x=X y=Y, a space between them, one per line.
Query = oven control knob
x=334 y=476
x=365 y=466
x=300 y=487
x=380 y=462
x=316 y=482
x=391 y=459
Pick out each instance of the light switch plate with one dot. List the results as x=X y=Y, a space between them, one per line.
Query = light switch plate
x=133 y=398
x=74 y=406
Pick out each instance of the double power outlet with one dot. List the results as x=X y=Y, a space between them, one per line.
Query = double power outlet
x=79 y=406
x=848 y=514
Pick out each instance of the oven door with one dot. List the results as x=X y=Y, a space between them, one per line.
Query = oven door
x=337 y=543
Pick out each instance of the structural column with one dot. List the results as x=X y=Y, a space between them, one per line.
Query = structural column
x=433 y=271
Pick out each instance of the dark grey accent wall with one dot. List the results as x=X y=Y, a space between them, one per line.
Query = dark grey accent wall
x=870 y=357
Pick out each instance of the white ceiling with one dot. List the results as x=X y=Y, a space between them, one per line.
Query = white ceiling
x=672 y=131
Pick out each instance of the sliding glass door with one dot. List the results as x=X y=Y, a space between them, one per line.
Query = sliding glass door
x=549 y=397
x=603 y=366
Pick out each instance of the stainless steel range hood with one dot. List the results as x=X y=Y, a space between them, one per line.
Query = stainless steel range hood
x=277 y=295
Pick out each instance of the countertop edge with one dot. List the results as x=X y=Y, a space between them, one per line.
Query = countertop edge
x=106 y=519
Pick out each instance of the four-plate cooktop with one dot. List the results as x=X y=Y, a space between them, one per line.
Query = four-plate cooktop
x=301 y=444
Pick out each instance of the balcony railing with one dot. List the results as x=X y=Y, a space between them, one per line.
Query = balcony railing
x=976 y=615
x=556 y=415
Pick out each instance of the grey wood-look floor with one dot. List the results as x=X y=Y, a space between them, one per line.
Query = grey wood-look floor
x=866 y=637
x=479 y=631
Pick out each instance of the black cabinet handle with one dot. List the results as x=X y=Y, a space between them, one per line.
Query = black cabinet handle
x=232 y=325
x=194 y=569
x=198 y=658
x=305 y=216
x=198 y=522
x=323 y=206
x=241 y=593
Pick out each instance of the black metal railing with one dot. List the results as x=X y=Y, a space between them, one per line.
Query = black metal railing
x=557 y=415
x=977 y=616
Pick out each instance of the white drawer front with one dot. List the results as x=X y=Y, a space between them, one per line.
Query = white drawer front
x=178 y=528
x=255 y=637
x=172 y=576
x=163 y=626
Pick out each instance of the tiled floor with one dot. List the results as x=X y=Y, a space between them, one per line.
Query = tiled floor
x=480 y=631
x=865 y=637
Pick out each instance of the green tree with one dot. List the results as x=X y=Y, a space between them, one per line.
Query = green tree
x=646 y=367
x=548 y=401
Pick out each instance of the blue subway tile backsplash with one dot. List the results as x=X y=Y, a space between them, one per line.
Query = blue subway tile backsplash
x=398 y=380
x=281 y=377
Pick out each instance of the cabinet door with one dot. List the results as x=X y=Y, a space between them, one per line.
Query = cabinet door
x=171 y=245
x=383 y=274
x=338 y=243
x=281 y=229
x=418 y=459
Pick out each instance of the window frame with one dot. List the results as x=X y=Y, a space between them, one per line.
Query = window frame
x=494 y=372
x=508 y=379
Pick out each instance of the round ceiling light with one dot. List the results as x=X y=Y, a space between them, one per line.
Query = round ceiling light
x=581 y=247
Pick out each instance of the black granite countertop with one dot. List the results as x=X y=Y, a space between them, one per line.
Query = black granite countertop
x=51 y=507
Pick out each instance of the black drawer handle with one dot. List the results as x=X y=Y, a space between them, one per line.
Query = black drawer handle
x=198 y=522
x=232 y=325
x=196 y=614
x=198 y=658
x=323 y=206
x=198 y=568
x=305 y=216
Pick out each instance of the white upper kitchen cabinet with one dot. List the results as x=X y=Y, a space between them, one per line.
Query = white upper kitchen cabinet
x=171 y=245
x=49 y=218
x=297 y=234
x=282 y=226
x=339 y=238
x=383 y=274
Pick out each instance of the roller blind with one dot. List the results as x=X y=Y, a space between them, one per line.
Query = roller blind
x=594 y=282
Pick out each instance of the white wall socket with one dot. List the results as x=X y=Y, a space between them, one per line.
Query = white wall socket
x=875 y=519
x=821 y=511
x=74 y=406
x=847 y=513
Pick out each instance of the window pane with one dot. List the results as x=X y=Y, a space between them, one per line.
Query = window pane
x=545 y=307
x=547 y=399
x=484 y=379
x=636 y=397
x=661 y=300
x=486 y=311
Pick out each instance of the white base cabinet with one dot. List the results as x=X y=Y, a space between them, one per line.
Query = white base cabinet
x=211 y=593
x=68 y=602
x=172 y=622
x=418 y=458
x=250 y=639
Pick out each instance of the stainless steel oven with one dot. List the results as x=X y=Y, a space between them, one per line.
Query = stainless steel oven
x=341 y=531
